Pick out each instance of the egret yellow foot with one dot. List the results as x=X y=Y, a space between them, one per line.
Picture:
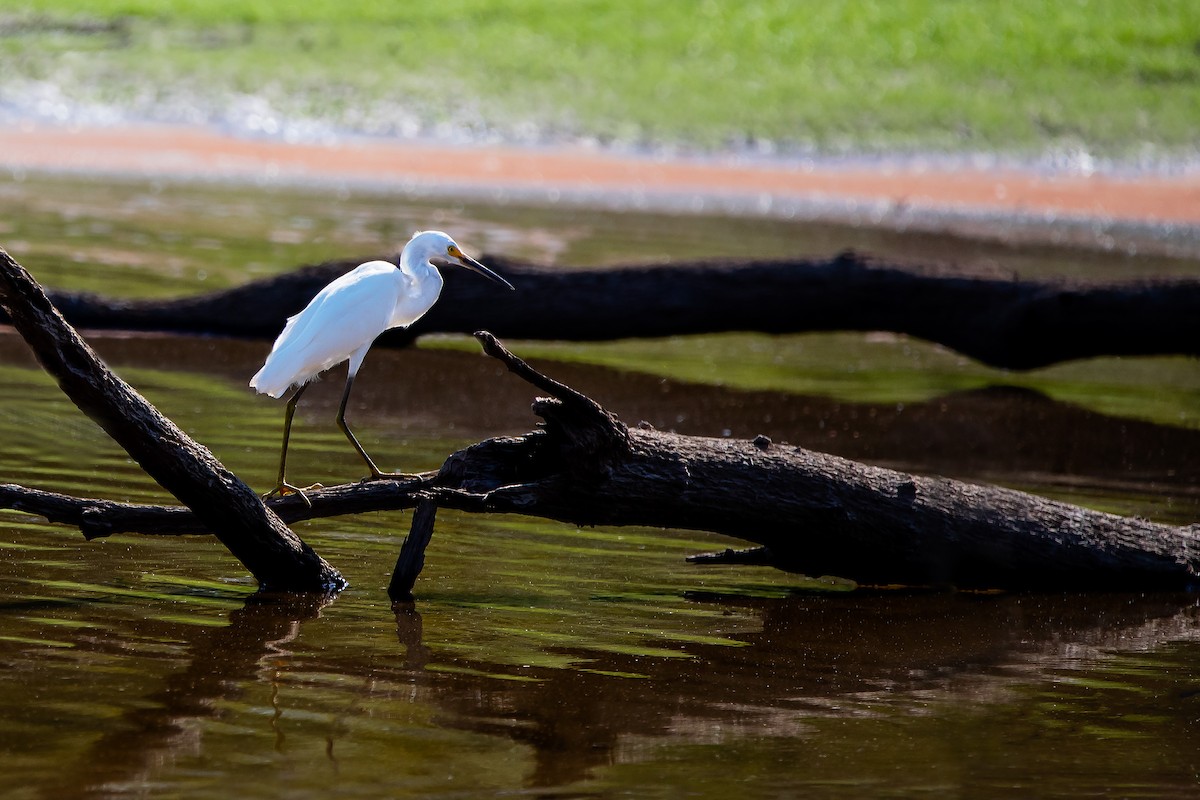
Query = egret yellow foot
x=380 y=476
x=284 y=489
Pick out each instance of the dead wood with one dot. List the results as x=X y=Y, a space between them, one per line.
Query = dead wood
x=276 y=557
x=411 y=560
x=808 y=512
x=1017 y=324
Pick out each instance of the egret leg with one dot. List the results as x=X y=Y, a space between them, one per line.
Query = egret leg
x=282 y=487
x=341 y=421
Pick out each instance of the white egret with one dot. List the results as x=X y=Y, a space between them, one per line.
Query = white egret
x=345 y=317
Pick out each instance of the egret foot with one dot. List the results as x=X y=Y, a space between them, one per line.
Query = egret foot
x=284 y=489
x=376 y=475
x=345 y=317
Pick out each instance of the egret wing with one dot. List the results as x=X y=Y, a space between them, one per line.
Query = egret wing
x=343 y=318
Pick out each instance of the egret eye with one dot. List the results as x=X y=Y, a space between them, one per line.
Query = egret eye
x=318 y=337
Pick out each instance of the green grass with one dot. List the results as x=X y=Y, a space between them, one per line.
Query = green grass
x=1018 y=77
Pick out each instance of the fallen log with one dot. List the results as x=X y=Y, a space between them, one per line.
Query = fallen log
x=813 y=513
x=276 y=557
x=1011 y=323
x=808 y=512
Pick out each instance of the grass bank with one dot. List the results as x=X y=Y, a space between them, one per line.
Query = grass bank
x=1017 y=76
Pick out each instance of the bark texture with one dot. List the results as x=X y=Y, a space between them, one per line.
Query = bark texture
x=809 y=512
x=276 y=557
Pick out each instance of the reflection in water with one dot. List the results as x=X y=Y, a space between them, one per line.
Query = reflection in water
x=543 y=659
x=818 y=671
x=822 y=657
x=566 y=660
x=410 y=629
x=252 y=647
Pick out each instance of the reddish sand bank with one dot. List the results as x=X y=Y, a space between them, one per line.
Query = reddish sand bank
x=190 y=152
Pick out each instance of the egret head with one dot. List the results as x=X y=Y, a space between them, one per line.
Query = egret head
x=440 y=250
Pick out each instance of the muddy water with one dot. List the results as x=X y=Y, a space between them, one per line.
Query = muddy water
x=542 y=659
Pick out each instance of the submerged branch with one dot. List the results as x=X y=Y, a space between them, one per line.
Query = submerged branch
x=411 y=560
x=1018 y=324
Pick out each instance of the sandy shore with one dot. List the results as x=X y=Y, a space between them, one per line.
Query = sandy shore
x=955 y=199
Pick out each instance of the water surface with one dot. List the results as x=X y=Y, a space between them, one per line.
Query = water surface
x=542 y=659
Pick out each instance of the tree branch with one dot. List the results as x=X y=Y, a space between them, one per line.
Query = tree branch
x=276 y=557
x=811 y=513
x=411 y=560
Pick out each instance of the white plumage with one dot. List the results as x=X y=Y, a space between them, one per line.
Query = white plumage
x=366 y=301
x=345 y=317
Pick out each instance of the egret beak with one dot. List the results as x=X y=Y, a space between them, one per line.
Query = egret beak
x=476 y=267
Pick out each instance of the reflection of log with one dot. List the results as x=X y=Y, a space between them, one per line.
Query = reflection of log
x=813 y=513
x=1008 y=323
x=254 y=535
x=161 y=726
x=814 y=656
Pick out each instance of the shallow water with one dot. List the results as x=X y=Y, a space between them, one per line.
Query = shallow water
x=542 y=659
